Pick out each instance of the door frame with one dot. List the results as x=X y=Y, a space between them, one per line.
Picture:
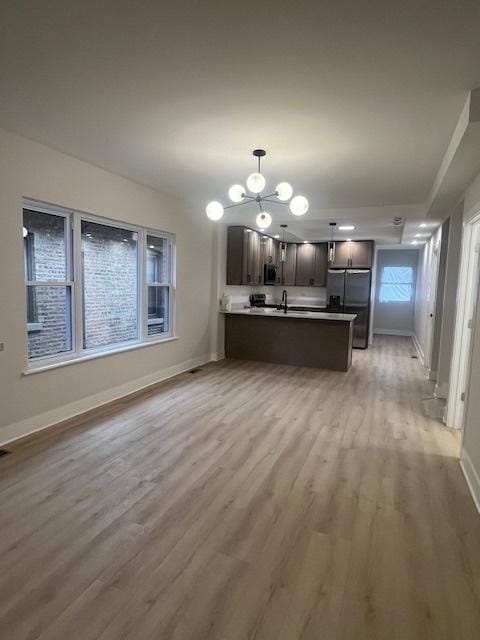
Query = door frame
x=432 y=302
x=466 y=306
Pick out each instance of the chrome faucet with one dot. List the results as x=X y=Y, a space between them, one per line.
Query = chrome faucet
x=284 y=299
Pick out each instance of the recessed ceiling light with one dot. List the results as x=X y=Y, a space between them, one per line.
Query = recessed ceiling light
x=276 y=236
x=423 y=225
x=265 y=237
x=414 y=242
x=305 y=242
x=248 y=230
x=349 y=239
x=346 y=227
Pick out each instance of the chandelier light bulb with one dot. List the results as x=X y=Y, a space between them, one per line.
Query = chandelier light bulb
x=299 y=205
x=256 y=182
x=284 y=191
x=236 y=193
x=264 y=220
x=214 y=210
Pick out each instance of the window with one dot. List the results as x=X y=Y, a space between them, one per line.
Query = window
x=396 y=284
x=48 y=284
x=93 y=285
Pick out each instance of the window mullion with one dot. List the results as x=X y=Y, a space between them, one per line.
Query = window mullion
x=78 y=289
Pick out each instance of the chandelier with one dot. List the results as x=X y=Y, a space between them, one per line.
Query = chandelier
x=256 y=185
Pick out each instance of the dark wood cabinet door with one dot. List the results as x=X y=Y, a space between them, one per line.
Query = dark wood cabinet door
x=304 y=276
x=253 y=258
x=342 y=255
x=236 y=251
x=289 y=266
x=320 y=265
x=361 y=254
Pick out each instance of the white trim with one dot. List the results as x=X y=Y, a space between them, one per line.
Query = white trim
x=441 y=390
x=418 y=348
x=471 y=476
x=42 y=421
x=466 y=295
x=73 y=253
x=393 y=332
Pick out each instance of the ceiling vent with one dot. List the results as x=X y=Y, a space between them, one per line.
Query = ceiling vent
x=398 y=221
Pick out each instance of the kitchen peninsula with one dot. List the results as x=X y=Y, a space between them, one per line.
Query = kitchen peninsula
x=303 y=338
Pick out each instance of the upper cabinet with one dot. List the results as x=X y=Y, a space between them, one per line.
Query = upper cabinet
x=244 y=259
x=362 y=254
x=356 y=254
x=311 y=265
x=306 y=265
x=289 y=267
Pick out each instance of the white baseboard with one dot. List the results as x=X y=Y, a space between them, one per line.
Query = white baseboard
x=50 y=418
x=393 y=332
x=471 y=476
x=419 y=349
x=441 y=391
x=215 y=357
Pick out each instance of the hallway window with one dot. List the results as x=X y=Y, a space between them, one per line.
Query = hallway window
x=396 y=284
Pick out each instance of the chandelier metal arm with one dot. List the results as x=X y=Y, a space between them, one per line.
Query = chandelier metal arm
x=238 y=204
x=270 y=195
x=275 y=201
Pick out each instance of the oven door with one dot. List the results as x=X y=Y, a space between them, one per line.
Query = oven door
x=269 y=274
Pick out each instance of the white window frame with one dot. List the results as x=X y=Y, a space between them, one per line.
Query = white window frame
x=73 y=237
x=411 y=284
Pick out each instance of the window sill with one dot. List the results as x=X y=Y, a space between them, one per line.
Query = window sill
x=93 y=356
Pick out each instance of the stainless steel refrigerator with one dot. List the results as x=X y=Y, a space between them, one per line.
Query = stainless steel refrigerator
x=348 y=291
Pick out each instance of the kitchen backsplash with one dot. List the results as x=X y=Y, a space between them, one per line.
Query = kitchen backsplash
x=316 y=296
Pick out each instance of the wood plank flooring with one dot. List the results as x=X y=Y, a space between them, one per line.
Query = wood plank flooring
x=246 y=501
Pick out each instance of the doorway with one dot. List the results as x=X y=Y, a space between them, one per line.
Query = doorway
x=466 y=307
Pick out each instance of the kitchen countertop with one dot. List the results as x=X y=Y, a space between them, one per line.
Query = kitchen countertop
x=305 y=315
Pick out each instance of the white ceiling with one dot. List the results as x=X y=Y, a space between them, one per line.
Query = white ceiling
x=355 y=102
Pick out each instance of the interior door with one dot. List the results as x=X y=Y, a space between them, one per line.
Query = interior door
x=431 y=294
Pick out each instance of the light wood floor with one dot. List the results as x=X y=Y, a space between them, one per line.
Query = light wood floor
x=246 y=501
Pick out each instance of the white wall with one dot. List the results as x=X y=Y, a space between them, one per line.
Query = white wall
x=33 y=170
x=394 y=317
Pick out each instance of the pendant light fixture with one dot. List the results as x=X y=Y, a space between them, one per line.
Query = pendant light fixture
x=331 y=244
x=283 y=246
x=256 y=184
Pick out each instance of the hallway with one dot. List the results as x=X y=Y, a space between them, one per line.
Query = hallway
x=246 y=501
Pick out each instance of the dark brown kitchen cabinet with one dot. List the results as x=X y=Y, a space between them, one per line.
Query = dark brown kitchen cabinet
x=311 y=265
x=342 y=255
x=269 y=252
x=361 y=254
x=243 y=256
x=356 y=254
x=252 y=272
x=305 y=265
x=321 y=265
x=289 y=267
